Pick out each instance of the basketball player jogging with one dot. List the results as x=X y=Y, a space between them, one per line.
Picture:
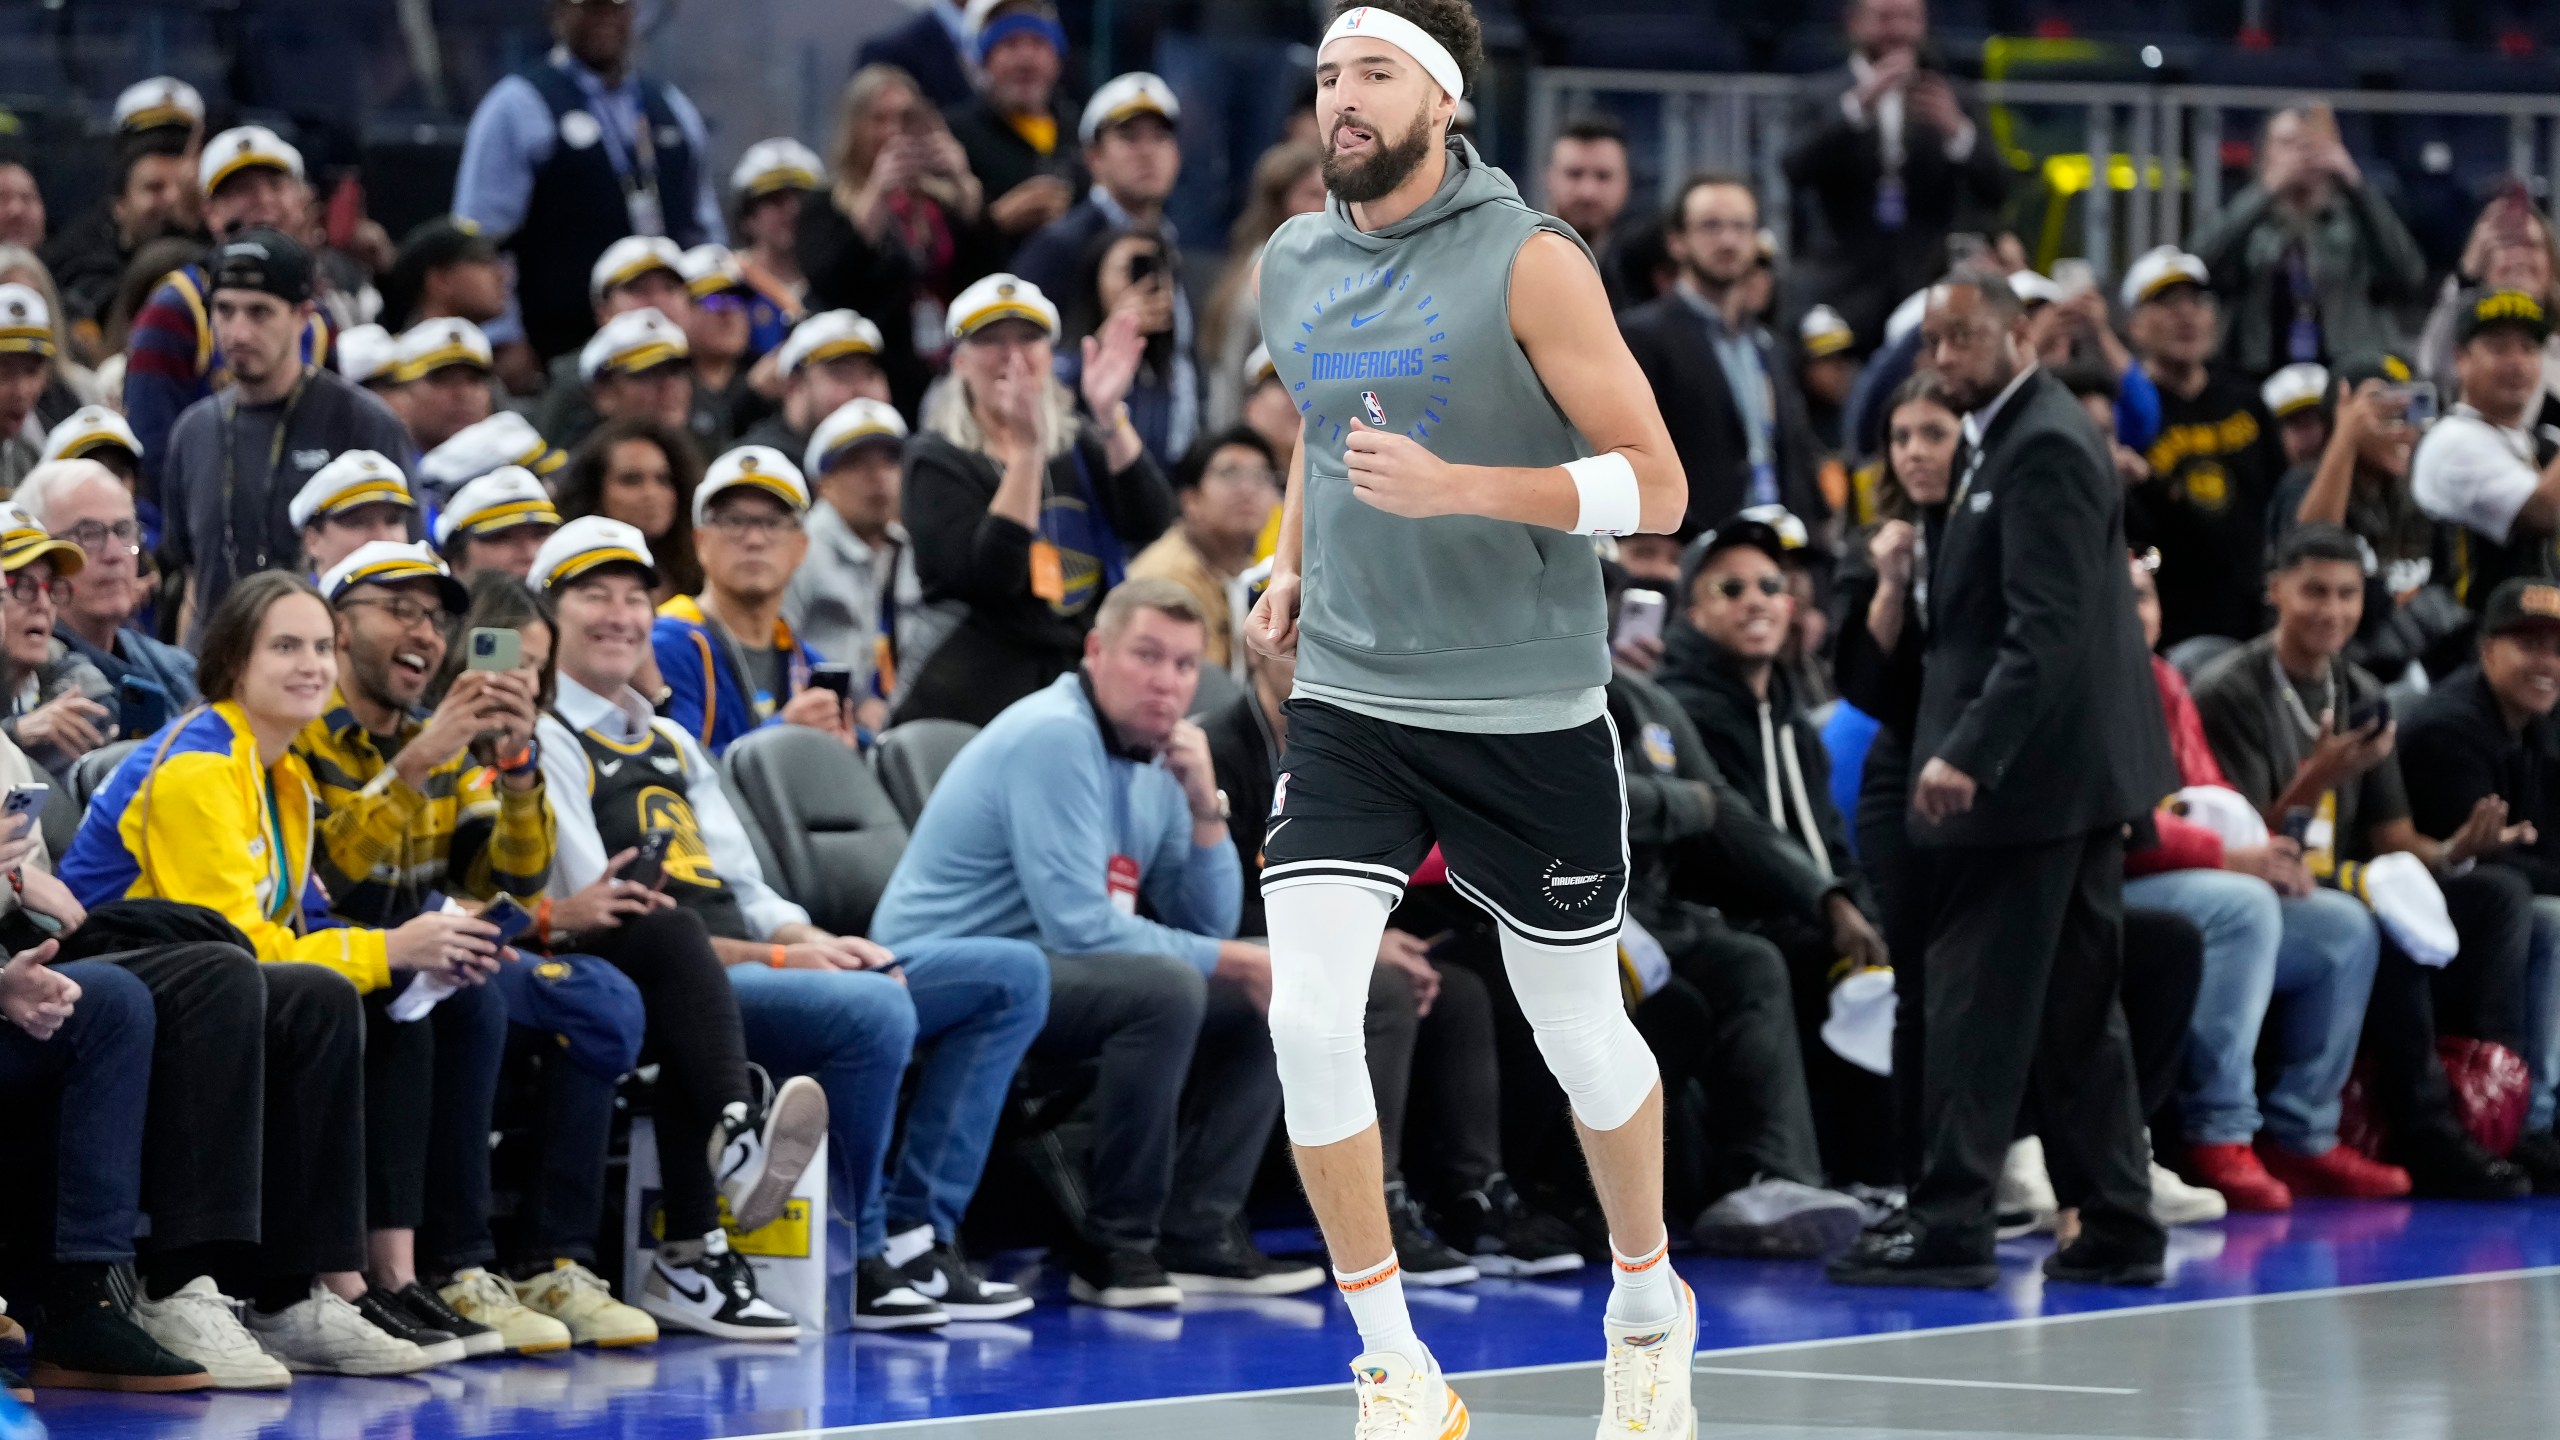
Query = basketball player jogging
x=1471 y=420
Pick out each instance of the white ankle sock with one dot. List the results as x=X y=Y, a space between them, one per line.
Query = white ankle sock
x=1643 y=1294
x=1376 y=1298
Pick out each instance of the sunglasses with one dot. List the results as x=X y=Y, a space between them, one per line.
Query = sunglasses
x=1732 y=587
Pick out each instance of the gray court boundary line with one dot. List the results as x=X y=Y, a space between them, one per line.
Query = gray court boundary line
x=1980 y=1327
x=1913 y=1380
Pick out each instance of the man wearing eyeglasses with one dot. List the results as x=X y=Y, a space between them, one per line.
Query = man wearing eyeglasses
x=84 y=502
x=728 y=658
x=49 y=696
x=417 y=805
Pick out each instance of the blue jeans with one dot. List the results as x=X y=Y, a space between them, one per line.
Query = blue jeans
x=2542 y=1012
x=95 y=1073
x=974 y=1004
x=2318 y=953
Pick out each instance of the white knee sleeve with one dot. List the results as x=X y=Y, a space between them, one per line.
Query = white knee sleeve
x=1324 y=941
x=1572 y=1000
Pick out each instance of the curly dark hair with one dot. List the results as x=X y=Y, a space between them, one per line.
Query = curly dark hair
x=1451 y=22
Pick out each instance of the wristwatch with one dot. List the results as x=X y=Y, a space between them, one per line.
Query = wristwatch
x=1224 y=811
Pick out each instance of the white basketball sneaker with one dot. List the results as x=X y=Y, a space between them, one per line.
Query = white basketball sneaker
x=1399 y=1402
x=1645 y=1381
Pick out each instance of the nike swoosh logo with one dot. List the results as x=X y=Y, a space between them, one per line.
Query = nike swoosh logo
x=695 y=1296
x=1274 y=831
x=934 y=1287
x=1359 y=320
x=609 y=767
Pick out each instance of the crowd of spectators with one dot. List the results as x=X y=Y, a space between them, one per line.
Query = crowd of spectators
x=379 y=635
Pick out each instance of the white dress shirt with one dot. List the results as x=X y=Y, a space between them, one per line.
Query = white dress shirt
x=578 y=853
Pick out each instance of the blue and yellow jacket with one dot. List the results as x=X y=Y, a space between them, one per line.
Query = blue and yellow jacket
x=707 y=694
x=185 y=818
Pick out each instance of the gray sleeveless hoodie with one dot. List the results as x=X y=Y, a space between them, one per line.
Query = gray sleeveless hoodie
x=1454 y=622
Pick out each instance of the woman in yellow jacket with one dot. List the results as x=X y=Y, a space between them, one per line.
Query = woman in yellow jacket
x=216 y=811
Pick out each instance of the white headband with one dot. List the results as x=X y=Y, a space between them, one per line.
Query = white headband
x=1403 y=34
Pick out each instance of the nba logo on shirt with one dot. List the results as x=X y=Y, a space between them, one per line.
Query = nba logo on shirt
x=1377 y=412
x=1280 y=793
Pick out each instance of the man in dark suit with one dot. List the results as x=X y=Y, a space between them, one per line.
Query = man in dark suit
x=2039 y=743
x=1724 y=387
x=932 y=48
x=1886 y=165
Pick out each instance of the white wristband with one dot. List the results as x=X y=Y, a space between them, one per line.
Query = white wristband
x=1612 y=504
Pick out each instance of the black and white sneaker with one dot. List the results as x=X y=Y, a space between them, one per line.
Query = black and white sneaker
x=714 y=1294
x=1496 y=1229
x=428 y=1308
x=1122 y=1279
x=1236 y=1266
x=882 y=1299
x=939 y=1272
x=382 y=1309
x=757 y=1154
x=1421 y=1256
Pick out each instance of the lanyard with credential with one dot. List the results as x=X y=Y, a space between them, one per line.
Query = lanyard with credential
x=637 y=166
x=230 y=411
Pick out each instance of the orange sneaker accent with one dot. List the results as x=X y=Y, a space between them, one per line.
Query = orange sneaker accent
x=1457 y=1424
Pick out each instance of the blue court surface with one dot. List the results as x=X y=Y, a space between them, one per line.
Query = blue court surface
x=2437 y=1319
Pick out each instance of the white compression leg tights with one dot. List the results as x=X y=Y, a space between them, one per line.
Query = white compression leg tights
x=1324 y=942
x=1573 y=1002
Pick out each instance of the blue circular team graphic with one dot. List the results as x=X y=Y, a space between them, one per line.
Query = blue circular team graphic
x=1388 y=364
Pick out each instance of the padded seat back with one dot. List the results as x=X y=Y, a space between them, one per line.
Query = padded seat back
x=89 y=773
x=833 y=833
x=913 y=756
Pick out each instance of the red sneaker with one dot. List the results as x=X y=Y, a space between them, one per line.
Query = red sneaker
x=2339 y=1171
x=2234 y=1170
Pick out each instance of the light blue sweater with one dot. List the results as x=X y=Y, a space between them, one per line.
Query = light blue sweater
x=1018 y=837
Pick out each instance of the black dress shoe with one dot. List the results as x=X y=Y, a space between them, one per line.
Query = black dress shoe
x=1900 y=1254
x=2092 y=1261
x=2538 y=1156
x=2449 y=1165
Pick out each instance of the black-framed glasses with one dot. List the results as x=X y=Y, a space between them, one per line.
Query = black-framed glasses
x=93 y=535
x=1248 y=474
x=1732 y=586
x=738 y=524
x=26 y=589
x=410 y=613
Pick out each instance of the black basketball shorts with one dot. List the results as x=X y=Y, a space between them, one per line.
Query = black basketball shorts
x=1533 y=827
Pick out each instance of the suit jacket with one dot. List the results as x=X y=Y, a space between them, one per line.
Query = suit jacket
x=1669 y=341
x=2037 y=683
x=923 y=48
x=1846 y=261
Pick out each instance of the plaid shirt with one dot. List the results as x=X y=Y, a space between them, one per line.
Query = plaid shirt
x=385 y=848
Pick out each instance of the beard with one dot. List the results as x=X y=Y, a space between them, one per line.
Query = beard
x=1358 y=182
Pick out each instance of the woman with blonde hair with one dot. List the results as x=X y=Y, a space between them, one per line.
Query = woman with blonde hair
x=1022 y=510
x=1288 y=180
x=903 y=228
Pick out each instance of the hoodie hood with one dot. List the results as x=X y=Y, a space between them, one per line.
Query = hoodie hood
x=1690 y=660
x=1469 y=183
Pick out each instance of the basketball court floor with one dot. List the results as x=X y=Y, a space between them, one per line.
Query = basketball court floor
x=2389 y=1321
